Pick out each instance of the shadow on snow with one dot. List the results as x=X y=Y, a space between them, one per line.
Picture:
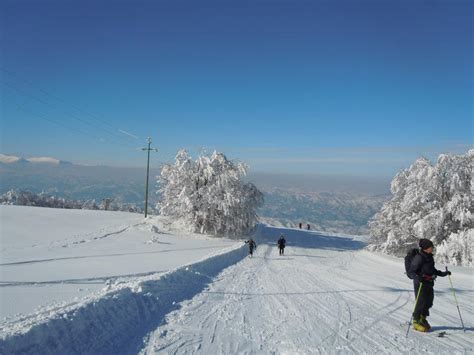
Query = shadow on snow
x=433 y=329
x=264 y=294
x=117 y=322
x=306 y=239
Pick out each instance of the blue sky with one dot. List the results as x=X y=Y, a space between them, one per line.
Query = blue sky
x=328 y=87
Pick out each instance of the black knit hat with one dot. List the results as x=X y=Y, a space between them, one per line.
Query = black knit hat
x=425 y=244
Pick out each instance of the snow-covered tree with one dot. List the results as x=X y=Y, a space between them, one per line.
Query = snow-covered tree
x=458 y=249
x=90 y=205
x=208 y=194
x=43 y=199
x=429 y=201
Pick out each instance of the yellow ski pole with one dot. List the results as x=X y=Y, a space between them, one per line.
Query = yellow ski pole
x=416 y=302
x=456 y=300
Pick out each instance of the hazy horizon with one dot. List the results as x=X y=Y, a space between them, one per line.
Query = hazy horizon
x=11 y=174
x=362 y=162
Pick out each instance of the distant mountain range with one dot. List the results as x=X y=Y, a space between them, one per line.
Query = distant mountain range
x=329 y=203
x=11 y=159
x=73 y=181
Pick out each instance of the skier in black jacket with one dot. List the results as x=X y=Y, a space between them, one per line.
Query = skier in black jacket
x=423 y=272
x=252 y=246
x=281 y=244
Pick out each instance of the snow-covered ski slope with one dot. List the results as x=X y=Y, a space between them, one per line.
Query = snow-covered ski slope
x=325 y=295
x=52 y=257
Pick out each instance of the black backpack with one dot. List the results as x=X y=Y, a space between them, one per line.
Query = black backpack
x=409 y=258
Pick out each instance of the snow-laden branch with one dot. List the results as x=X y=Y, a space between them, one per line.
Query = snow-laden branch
x=430 y=201
x=208 y=194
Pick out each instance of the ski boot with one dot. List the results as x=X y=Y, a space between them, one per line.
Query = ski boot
x=419 y=326
x=425 y=322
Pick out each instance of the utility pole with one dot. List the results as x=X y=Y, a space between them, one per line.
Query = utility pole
x=148 y=149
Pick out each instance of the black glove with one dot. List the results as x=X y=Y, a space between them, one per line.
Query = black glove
x=445 y=273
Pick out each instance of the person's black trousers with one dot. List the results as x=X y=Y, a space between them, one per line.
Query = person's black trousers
x=425 y=300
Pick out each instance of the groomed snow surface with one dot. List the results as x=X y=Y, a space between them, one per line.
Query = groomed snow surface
x=325 y=295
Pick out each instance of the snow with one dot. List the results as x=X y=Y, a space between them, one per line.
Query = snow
x=209 y=194
x=433 y=202
x=327 y=294
x=47 y=160
x=55 y=255
x=8 y=159
x=114 y=320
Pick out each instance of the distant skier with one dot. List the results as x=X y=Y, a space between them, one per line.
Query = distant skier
x=308 y=227
x=423 y=273
x=301 y=225
x=252 y=246
x=281 y=244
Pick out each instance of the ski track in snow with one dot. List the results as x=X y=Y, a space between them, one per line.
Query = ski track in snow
x=103 y=255
x=326 y=295
x=87 y=280
x=308 y=301
x=115 y=320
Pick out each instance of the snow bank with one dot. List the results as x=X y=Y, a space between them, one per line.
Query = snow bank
x=53 y=256
x=116 y=319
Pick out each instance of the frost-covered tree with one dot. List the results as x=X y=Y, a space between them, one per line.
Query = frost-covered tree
x=208 y=194
x=458 y=249
x=43 y=199
x=429 y=201
x=90 y=205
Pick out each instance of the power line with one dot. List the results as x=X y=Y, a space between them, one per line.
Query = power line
x=95 y=119
x=24 y=93
x=57 y=122
x=128 y=133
